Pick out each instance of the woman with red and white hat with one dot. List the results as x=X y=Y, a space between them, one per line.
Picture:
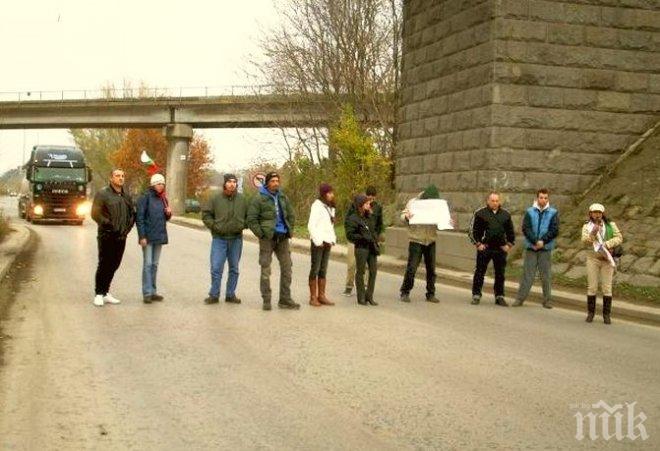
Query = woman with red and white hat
x=153 y=212
x=601 y=236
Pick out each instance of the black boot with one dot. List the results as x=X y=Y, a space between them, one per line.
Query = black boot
x=288 y=304
x=591 y=308
x=607 y=309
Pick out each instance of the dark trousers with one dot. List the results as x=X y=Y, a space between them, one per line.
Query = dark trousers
x=415 y=253
x=111 y=251
x=363 y=258
x=280 y=246
x=320 y=256
x=499 y=263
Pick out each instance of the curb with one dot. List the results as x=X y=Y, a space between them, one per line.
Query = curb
x=562 y=299
x=12 y=246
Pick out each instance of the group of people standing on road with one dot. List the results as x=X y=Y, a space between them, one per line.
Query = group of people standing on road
x=270 y=216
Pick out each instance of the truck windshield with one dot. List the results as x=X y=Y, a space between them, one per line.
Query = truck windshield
x=59 y=175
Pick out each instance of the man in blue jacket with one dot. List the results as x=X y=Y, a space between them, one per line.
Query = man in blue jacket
x=153 y=212
x=540 y=227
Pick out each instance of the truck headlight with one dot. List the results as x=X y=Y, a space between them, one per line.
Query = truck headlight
x=38 y=210
x=82 y=209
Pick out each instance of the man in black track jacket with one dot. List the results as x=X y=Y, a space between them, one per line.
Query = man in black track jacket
x=491 y=231
x=114 y=213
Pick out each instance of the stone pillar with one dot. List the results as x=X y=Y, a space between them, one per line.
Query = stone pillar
x=178 y=141
x=515 y=95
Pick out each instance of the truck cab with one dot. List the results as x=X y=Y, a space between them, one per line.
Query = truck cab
x=56 y=188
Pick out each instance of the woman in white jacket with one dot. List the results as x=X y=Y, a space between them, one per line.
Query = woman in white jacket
x=321 y=226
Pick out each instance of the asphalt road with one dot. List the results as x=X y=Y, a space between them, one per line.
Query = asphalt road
x=183 y=375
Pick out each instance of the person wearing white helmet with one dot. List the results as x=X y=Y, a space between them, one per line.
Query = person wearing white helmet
x=153 y=212
x=601 y=236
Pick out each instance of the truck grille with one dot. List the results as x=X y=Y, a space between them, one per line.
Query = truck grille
x=59 y=205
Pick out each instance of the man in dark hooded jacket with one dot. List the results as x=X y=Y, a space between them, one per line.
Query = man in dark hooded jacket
x=271 y=218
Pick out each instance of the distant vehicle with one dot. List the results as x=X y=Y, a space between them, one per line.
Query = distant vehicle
x=55 y=185
x=13 y=194
x=192 y=206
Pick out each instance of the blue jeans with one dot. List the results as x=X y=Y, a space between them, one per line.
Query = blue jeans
x=150 y=257
x=223 y=250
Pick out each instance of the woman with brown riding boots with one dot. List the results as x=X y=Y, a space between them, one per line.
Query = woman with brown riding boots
x=321 y=226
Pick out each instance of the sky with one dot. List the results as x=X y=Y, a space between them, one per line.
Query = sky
x=54 y=45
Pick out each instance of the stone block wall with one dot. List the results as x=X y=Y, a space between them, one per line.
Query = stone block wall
x=514 y=95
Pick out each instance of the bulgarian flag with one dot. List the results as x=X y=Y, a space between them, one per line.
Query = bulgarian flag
x=152 y=167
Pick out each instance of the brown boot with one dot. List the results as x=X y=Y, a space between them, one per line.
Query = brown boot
x=313 y=293
x=322 y=299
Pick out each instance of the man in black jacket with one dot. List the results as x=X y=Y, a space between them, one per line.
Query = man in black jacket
x=114 y=213
x=491 y=231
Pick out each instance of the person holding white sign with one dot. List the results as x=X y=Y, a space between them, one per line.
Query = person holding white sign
x=602 y=236
x=421 y=243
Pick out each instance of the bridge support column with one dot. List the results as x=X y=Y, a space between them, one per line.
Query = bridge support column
x=178 y=142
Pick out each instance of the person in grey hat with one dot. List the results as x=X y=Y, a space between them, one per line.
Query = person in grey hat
x=225 y=215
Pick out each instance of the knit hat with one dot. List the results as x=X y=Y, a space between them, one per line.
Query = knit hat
x=271 y=175
x=229 y=177
x=324 y=189
x=596 y=207
x=430 y=192
x=156 y=179
x=359 y=200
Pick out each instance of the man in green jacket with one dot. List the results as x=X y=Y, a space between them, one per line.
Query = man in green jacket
x=271 y=218
x=225 y=216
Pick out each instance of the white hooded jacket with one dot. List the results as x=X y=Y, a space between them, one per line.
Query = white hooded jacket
x=320 y=226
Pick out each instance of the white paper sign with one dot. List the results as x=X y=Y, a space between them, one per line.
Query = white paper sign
x=430 y=211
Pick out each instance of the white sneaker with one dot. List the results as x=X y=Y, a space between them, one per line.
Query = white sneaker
x=110 y=299
x=98 y=300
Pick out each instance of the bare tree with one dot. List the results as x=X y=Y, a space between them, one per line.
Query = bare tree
x=346 y=51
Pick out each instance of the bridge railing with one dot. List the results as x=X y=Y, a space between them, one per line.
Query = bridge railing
x=144 y=93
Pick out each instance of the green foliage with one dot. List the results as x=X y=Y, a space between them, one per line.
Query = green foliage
x=357 y=163
x=98 y=145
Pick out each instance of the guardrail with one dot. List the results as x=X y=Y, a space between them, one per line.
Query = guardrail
x=145 y=93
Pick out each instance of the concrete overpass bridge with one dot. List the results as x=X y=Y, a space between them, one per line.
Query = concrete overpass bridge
x=178 y=111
